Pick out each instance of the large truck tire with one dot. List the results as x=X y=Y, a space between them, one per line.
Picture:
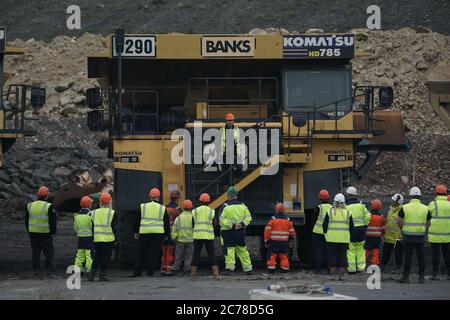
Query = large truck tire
x=128 y=246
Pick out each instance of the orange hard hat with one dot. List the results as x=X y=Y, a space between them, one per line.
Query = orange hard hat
x=376 y=204
x=187 y=204
x=43 y=192
x=174 y=194
x=229 y=117
x=279 y=207
x=105 y=197
x=154 y=193
x=441 y=189
x=86 y=202
x=324 y=195
x=204 y=197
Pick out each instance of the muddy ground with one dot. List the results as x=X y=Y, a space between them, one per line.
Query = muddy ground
x=17 y=282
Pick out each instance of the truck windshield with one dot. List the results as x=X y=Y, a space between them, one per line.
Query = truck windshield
x=303 y=89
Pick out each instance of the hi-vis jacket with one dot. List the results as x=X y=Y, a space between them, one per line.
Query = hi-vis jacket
x=279 y=228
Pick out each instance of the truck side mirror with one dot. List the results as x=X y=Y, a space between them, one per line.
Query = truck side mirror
x=37 y=97
x=94 y=98
x=95 y=120
x=385 y=96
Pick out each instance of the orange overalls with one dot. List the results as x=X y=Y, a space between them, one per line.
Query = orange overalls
x=168 y=247
x=374 y=232
x=277 y=234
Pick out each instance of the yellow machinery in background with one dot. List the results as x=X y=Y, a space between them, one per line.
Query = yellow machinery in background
x=296 y=89
x=439 y=92
x=14 y=101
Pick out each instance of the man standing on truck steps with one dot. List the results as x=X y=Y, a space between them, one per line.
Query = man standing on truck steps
x=168 y=247
x=105 y=235
x=356 y=255
x=234 y=219
x=151 y=227
x=229 y=124
x=40 y=222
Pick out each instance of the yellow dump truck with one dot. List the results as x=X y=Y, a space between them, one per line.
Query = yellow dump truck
x=293 y=100
x=14 y=101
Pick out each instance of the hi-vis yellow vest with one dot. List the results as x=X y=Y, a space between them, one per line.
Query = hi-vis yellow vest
x=83 y=224
x=323 y=209
x=102 y=219
x=439 y=231
x=203 y=223
x=415 y=220
x=393 y=231
x=152 y=218
x=183 y=229
x=338 y=225
x=360 y=214
x=38 y=217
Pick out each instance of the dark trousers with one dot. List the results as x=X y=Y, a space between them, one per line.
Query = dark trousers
x=102 y=255
x=337 y=255
x=42 y=242
x=436 y=249
x=149 y=252
x=419 y=247
x=387 y=252
x=210 y=249
x=320 y=251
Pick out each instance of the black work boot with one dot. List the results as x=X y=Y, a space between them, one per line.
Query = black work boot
x=92 y=275
x=37 y=274
x=103 y=276
x=404 y=278
x=271 y=271
x=434 y=275
x=228 y=272
x=421 y=278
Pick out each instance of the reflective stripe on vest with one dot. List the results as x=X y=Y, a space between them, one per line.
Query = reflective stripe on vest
x=102 y=219
x=374 y=231
x=323 y=208
x=83 y=225
x=203 y=223
x=152 y=218
x=38 y=221
x=439 y=231
x=415 y=219
x=338 y=226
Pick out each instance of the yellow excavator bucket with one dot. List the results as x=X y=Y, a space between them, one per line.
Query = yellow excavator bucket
x=439 y=92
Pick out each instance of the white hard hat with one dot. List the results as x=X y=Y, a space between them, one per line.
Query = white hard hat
x=415 y=192
x=352 y=191
x=339 y=198
x=397 y=198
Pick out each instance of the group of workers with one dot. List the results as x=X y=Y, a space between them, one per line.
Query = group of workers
x=347 y=236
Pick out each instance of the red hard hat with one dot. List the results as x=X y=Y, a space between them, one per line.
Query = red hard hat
x=279 y=207
x=154 y=193
x=229 y=117
x=204 y=197
x=105 y=197
x=441 y=189
x=187 y=204
x=174 y=194
x=86 y=202
x=324 y=195
x=43 y=192
x=376 y=204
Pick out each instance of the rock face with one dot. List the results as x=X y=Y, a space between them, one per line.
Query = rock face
x=403 y=59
